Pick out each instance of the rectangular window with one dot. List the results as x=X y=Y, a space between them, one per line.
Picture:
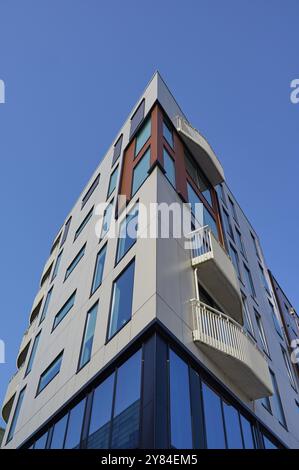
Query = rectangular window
x=127 y=233
x=64 y=310
x=232 y=426
x=90 y=191
x=126 y=416
x=66 y=231
x=275 y=320
x=16 y=415
x=276 y=401
x=247 y=317
x=288 y=367
x=233 y=208
x=107 y=219
x=198 y=177
x=180 y=407
x=84 y=223
x=46 y=305
x=261 y=332
x=235 y=259
x=87 y=342
x=100 y=421
x=169 y=167
x=112 y=182
x=213 y=419
x=249 y=281
x=117 y=149
x=57 y=441
x=140 y=172
x=74 y=427
x=33 y=353
x=56 y=266
x=143 y=135
x=167 y=134
x=220 y=192
x=122 y=299
x=255 y=245
x=227 y=225
x=137 y=117
x=200 y=212
x=239 y=242
x=263 y=278
x=99 y=269
x=50 y=373
x=75 y=261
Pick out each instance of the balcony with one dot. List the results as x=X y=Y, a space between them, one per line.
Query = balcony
x=215 y=271
x=227 y=344
x=10 y=393
x=201 y=151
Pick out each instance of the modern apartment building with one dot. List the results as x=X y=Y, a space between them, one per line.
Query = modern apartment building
x=139 y=342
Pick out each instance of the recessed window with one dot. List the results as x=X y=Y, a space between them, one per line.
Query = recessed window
x=74 y=426
x=200 y=212
x=169 y=167
x=16 y=415
x=143 y=136
x=117 y=150
x=235 y=259
x=137 y=117
x=247 y=317
x=49 y=374
x=140 y=172
x=66 y=231
x=233 y=208
x=261 y=332
x=255 y=245
x=87 y=342
x=127 y=233
x=180 y=407
x=198 y=177
x=275 y=320
x=263 y=278
x=83 y=224
x=75 y=261
x=288 y=367
x=107 y=219
x=33 y=353
x=227 y=225
x=64 y=310
x=90 y=191
x=249 y=281
x=239 y=242
x=57 y=264
x=276 y=401
x=213 y=419
x=167 y=134
x=112 y=182
x=99 y=269
x=46 y=305
x=122 y=299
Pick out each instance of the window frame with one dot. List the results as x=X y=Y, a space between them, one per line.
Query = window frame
x=73 y=295
x=83 y=341
x=74 y=263
x=57 y=359
x=102 y=249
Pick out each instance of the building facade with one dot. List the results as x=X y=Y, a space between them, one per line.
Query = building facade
x=136 y=341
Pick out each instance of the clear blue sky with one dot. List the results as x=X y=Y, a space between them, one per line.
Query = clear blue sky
x=74 y=68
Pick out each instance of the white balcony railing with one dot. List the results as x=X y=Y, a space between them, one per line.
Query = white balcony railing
x=201 y=241
x=222 y=334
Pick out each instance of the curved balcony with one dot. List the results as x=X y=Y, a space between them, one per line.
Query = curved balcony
x=216 y=272
x=232 y=349
x=10 y=393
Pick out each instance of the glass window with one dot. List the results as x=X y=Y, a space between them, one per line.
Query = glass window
x=84 y=223
x=198 y=177
x=248 y=433
x=233 y=208
x=122 y=298
x=201 y=213
x=126 y=417
x=288 y=367
x=268 y=444
x=107 y=219
x=247 y=317
x=100 y=421
x=143 y=136
x=57 y=264
x=235 y=259
x=16 y=415
x=140 y=172
x=66 y=231
x=49 y=374
x=88 y=336
x=169 y=167
x=220 y=192
x=99 y=269
x=112 y=182
x=41 y=442
x=261 y=333
x=64 y=310
x=46 y=305
x=167 y=133
x=33 y=352
x=213 y=419
x=117 y=149
x=227 y=225
x=137 y=117
x=74 y=427
x=276 y=401
x=266 y=403
x=275 y=319
x=90 y=191
x=58 y=435
x=239 y=242
x=75 y=261
x=255 y=245
x=249 y=281
x=180 y=407
x=232 y=426
x=263 y=278
x=127 y=233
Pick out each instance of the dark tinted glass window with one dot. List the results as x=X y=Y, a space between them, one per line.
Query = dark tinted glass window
x=46 y=305
x=249 y=281
x=84 y=223
x=140 y=172
x=232 y=426
x=88 y=336
x=248 y=436
x=59 y=433
x=125 y=432
x=74 y=426
x=180 y=408
x=99 y=269
x=75 y=261
x=57 y=264
x=169 y=167
x=276 y=401
x=167 y=134
x=16 y=415
x=213 y=419
x=64 y=310
x=137 y=117
x=143 y=135
x=127 y=233
x=100 y=421
x=33 y=352
x=112 y=182
x=66 y=231
x=117 y=149
x=50 y=373
x=90 y=191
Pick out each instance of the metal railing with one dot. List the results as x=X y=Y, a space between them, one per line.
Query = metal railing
x=201 y=241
